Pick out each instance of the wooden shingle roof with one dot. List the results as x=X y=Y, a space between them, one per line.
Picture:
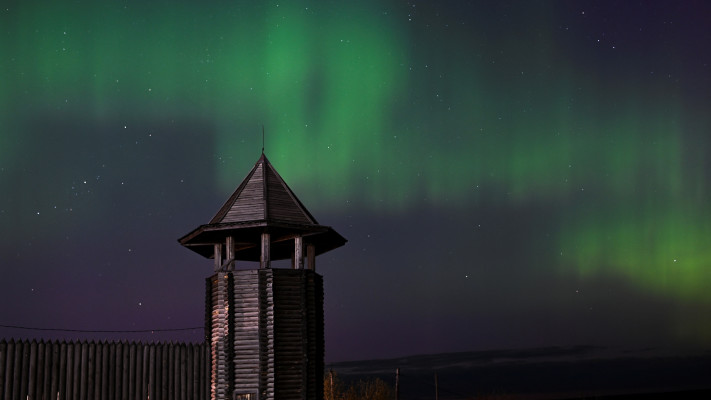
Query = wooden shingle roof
x=263 y=195
x=263 y=202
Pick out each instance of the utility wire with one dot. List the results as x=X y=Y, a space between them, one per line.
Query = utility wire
x=100 y=330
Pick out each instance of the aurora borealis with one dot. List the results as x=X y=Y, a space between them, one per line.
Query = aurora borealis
x=508 y=174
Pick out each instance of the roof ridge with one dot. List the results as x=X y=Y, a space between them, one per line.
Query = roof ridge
x=288 y=190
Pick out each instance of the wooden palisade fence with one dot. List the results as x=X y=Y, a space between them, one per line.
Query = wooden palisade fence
x=41 y=370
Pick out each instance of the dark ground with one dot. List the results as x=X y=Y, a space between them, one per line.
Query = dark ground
x=549 y=373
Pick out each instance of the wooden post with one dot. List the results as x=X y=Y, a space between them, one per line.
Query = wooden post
x=311 y=256
x=299 y=252
x=218 y=256
x=397 y=384
x=230 y=253
x=436 y=387
x=330 y=396
x=266 y=251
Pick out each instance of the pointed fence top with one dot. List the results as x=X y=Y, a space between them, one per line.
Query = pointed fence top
x=262 y=203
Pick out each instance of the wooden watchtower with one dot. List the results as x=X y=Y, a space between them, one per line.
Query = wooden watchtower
x=265 y=325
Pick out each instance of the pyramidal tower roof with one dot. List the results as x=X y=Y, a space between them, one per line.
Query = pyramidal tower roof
x=262 y=203
x=263 y=196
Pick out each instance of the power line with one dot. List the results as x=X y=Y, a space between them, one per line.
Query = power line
x=100 y=330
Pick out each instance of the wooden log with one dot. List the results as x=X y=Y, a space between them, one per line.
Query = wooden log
x=195 y=368
x=169 y=369
x=146 y=366
x=164 y=372
x=119 y=372
x=188 y=371
x=176 y=372
x=12 y=390
x=40 y=370
x=299 y=252
x=145 y=350
x=68 y=392
x=230 y=253
x=105 y=354
x=311 y=256
x=183 y=372
x=156 y=384
x=84 y=367
x=128 y=360
x=201 y=384
x=91 y=370
x=151 y=362
x=265 y=258
x=217 y=255
x=3 y=359
x=112 y=372
x=205 y=362
x=128 y=364
x=32 y=372
x=24 y=381
x=9 y=369
x=95 y=392
x=134 y=383
x=76 y=379
x=62 y=372
x=53 y=381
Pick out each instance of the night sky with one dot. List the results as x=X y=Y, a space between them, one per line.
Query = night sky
x=508 y=174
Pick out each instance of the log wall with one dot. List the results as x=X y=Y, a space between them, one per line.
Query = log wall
x=103 y=371
x=267 y=338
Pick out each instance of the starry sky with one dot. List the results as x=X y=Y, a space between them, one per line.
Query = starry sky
x=509 y=174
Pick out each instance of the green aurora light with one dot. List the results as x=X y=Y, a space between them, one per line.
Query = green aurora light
x=451 y=115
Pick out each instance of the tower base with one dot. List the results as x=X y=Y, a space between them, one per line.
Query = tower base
x=265 y=329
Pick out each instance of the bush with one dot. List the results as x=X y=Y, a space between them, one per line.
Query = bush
x=371 y=389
